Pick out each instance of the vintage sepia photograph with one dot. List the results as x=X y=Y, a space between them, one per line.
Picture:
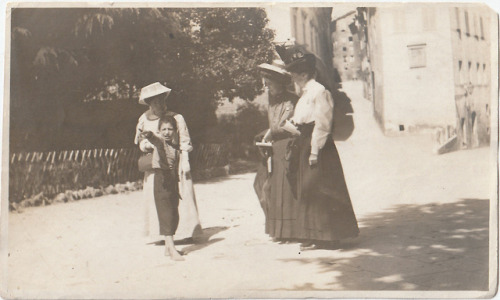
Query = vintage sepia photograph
x=159 y=150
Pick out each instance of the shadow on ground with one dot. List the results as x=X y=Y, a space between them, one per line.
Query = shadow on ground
x=205 y=239
x=413 y=247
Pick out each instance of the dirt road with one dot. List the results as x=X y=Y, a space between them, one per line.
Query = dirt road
x=423 y=221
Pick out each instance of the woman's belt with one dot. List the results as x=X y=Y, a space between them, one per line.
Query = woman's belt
x=306 y=129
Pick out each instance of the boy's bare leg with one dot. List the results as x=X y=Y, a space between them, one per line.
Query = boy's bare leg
x=170 y=249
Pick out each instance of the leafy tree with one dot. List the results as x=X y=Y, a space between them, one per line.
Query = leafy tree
x=239 y=130
x=63 y=57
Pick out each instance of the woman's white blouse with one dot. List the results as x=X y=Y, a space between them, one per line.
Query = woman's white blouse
x=315 y=105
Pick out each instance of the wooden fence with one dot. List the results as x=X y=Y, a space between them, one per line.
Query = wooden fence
x=57 y=171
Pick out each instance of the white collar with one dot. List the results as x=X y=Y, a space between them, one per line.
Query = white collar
x=309 y=84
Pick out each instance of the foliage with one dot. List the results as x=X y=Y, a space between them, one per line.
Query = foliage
x=239 y=130
x=65 y=56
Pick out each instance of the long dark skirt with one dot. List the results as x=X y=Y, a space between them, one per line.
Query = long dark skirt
x=166 y=195
x=282 y=206
x=262 y=186
x=325 y=208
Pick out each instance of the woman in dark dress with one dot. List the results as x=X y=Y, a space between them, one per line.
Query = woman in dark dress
x=325 y=211
x=271 y=184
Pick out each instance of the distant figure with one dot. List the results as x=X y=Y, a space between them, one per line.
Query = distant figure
x=166 y=180
x=325 y=210
x=155 y=96
x=271 y=183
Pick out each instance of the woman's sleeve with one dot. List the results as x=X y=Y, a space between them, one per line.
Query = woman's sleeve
x=138 y=130
x=144 y=144
x=323 y=119
x=184 y=138
x=276 y=127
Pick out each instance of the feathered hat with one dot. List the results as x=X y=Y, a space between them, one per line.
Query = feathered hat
x=296 y=57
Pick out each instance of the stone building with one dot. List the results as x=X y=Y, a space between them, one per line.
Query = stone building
x=430 y=69
x=308 y=27
x=311 y=28
x=471 y=43
x=346 y=46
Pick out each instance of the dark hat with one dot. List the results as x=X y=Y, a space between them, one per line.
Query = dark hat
x=275 y=71
x=296 y=57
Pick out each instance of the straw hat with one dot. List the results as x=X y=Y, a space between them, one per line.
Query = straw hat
x=152 y=90
x=275 y=71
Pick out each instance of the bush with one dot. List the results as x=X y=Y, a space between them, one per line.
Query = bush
x=40 y=175
x=238 y=131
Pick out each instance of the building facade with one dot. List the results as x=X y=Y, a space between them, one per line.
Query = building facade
x=430 y=68
x=471 y=44
x=308 y=27
x=311 y=29
x=346 y=46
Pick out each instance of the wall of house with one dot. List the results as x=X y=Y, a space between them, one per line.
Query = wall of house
x=413 y=45
x=375 y=50
x=311 y=28
x=471 y=44
x=346 y=48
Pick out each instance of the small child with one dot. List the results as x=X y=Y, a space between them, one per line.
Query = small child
x=166 y=181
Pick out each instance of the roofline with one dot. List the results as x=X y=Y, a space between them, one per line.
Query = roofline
x=345 y=15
